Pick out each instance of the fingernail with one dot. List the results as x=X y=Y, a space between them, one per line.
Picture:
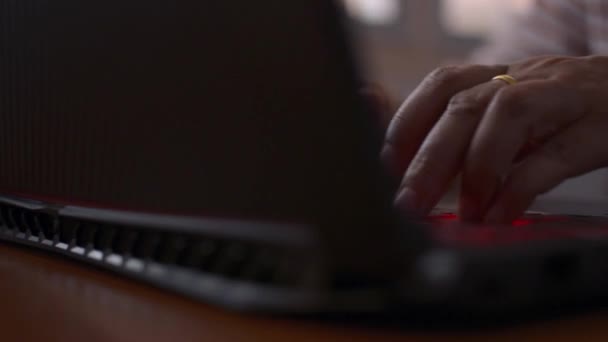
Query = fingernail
x=468 y=209
x=409 y=201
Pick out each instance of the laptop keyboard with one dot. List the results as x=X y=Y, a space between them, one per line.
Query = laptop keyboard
x=447 y=227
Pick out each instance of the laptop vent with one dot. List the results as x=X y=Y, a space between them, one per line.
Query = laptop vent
x=233 y=259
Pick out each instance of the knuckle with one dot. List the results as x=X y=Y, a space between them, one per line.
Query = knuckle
x=571 y=68
x=565 y=60
x=545 y=62
x=596 y=60
x=510 y=102
x=443 y=76
x=464 y=104
x=555 y=60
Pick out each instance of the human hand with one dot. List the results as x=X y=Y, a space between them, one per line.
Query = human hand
x=511 y=142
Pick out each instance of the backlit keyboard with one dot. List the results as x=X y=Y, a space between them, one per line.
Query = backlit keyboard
x=447 y=227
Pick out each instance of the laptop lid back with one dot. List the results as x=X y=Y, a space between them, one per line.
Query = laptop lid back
x=206 y=108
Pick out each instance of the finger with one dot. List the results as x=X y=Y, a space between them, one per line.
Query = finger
x=571 y=153
x=442 y=153
x=423 y=107
x=517 y=114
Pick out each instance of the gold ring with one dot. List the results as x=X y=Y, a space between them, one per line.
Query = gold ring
x=508 y=79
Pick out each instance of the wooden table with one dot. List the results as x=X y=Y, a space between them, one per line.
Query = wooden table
x=44 y=297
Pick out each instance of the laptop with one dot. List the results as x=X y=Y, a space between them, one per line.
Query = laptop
x=220 y=150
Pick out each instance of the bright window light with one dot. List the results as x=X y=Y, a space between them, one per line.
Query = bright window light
x=374 y=12
x=478 y=18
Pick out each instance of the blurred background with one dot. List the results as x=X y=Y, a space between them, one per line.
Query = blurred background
x=400 y=41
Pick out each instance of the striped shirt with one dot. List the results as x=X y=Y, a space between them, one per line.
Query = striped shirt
x=551 y=27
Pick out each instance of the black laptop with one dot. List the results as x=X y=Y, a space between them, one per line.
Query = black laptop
x=219 y=149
